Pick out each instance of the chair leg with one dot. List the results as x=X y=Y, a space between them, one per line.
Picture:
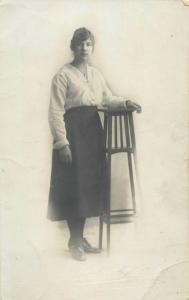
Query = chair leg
x=133 y=141
x=108 y=208
x=131 y=177
x=100 y=232
x=132 y=181
x=108 y=234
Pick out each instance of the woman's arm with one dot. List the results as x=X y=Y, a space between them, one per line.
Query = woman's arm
x=108 y=99
x=56 y=111
x=112 y=101
x=56 y=117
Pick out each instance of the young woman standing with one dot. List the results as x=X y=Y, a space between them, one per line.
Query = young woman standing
x=78 y=179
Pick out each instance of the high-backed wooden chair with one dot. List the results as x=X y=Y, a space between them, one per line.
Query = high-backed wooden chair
x=119 y=137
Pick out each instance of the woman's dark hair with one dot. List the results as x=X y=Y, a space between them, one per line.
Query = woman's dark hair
x=80 y=35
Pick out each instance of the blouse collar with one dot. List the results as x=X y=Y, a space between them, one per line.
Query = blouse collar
x=86 y=78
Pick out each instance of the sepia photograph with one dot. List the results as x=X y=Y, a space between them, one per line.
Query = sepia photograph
x=94 y=150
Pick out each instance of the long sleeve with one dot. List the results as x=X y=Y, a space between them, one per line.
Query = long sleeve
x=109 y=99
x=57 y=110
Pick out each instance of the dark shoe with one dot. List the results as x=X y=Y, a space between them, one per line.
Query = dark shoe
x=88 y=248
x=78 y=253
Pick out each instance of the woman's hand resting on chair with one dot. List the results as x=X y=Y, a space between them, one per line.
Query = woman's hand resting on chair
x=134 y=105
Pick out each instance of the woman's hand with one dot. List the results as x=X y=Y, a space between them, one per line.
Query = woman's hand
x=65 y=154
x=134 y=105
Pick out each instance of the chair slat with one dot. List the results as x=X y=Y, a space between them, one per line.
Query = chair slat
x=115 y=131
x=121 y=131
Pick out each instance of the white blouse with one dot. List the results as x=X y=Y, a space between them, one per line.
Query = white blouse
x=70 y=88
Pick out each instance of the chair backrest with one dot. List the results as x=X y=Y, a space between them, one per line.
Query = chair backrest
x=119 y=131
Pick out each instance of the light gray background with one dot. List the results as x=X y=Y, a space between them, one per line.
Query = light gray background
x=142 y=48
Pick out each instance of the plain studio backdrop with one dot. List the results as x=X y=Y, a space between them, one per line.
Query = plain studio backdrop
x=142 y=49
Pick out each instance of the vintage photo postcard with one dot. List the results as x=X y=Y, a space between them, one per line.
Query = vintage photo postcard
x=94 y=149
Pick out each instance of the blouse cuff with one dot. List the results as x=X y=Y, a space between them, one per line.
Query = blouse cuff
x=60 y=144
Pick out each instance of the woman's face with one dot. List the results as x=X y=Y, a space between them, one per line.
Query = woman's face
x=83 y=50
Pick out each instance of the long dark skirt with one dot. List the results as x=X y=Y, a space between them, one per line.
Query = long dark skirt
x=79 y=189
